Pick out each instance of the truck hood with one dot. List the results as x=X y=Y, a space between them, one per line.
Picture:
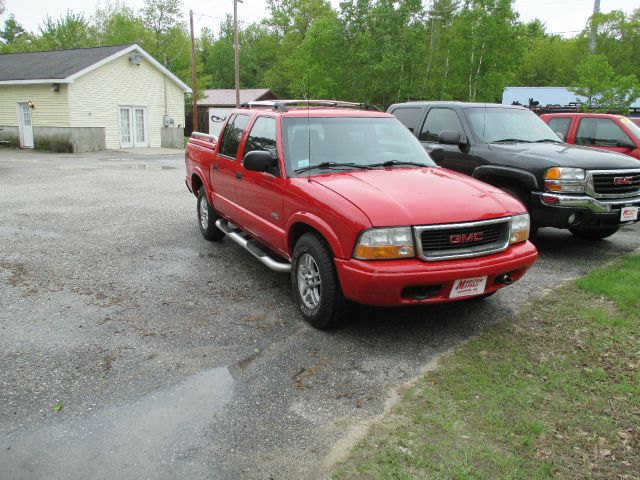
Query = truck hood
x=419 y=196
x=564 y=155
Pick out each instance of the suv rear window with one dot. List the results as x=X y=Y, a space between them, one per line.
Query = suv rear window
x=408 y=116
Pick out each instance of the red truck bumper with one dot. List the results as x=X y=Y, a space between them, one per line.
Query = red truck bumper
x=414 y=282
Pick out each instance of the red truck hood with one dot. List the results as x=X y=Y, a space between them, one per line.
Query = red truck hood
x=419 y=196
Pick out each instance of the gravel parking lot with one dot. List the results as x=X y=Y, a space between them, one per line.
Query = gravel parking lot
x=179 y=358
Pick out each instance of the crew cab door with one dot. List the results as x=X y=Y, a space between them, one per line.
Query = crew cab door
x=449 y=156
x=261 y=194
x=226 y=167
x=604 y=133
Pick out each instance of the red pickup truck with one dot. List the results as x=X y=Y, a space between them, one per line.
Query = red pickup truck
x=600 y=130
x=347 y=200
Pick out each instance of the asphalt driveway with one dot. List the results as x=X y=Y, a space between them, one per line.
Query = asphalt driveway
x=174 y=357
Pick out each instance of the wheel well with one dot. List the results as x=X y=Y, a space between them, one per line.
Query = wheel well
x=498 y=181
x=299 y=229
x=196 y=184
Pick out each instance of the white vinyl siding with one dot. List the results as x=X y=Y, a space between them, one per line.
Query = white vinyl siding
x=51 y=109
x=95 y=98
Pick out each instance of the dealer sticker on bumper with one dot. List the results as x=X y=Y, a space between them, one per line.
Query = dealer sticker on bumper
x=468 y=286
x=629 y=214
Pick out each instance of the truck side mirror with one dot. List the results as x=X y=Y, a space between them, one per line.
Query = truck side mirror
x=452 y=137
x=560 y=135
x=259 y=161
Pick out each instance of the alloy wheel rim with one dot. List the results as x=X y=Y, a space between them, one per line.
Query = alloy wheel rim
x=204 y=214
x=309 y=281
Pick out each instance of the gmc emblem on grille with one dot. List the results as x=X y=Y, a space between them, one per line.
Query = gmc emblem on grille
x=622 y=180
x=460 y=238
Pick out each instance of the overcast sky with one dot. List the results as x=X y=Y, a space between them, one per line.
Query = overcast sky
x=566 y=16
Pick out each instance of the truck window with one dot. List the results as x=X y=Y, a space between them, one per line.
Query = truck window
x=600 y=131
x=232 y=135
x=560 y=125
x=408 y=116
x=262 y=136
x=439 y=119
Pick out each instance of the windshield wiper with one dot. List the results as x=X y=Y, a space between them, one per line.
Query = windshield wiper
x=511 y=140
x=392 y=163
x=547 y=140
x=332 y=165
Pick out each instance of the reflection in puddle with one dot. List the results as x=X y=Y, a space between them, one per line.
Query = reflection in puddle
x=151 y=438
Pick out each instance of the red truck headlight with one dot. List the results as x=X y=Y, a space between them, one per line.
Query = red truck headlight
x=385 y=244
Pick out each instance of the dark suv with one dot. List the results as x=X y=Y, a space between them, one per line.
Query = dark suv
x=591 y=192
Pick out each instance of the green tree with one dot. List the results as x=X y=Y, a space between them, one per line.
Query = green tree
x=604 y=91
x=117 y=24
x=13 y=33
x=69 y=31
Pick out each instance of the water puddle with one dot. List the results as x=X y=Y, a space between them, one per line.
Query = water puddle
x=151 y=438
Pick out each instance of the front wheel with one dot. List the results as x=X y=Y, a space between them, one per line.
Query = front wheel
x=315 y=283
x=595 y=233
x=207 y=219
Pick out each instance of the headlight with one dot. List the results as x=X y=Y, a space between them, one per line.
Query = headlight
x=565 y=180
x=385 y=243
x=519 y=229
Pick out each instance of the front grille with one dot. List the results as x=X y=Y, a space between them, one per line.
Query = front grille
x=462 y=240
x=605 y=183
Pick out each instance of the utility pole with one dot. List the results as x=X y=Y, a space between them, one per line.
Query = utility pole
x=194 y=83
x=235 y=50
x=596 y=10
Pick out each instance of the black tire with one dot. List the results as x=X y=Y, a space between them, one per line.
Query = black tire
x=207 y=217
x=523 y=196
x=594 y=233
x=323 y=307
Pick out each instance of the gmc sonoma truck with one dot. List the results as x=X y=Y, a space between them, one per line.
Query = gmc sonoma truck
x=591 y=192
x=347 y=201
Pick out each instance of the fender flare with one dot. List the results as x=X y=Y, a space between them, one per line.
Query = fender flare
x=204 y=178
x=521 y=176
x=318 y=224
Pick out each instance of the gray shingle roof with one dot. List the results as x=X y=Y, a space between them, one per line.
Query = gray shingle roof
x=226 y=97
x=57 y=65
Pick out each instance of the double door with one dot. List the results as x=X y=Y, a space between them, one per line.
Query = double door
x=133 y=127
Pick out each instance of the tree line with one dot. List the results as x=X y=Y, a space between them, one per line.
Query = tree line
x=377 y=51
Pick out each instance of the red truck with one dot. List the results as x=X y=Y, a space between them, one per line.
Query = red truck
x=600 y=130
x=346 y=200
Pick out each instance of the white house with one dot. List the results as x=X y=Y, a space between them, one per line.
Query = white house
x=90 y=99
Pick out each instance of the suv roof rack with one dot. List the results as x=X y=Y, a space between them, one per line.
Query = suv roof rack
x=282 y=105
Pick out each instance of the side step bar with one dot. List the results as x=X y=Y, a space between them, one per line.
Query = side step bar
x=252 y=246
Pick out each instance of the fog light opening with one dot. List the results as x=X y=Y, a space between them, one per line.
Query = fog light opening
x=574 y=219
x=421 y=292
x=504 y=279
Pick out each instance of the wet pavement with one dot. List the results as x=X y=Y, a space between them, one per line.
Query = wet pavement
x=174 y=357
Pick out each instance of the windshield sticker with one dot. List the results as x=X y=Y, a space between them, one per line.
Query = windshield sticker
x=303 y=163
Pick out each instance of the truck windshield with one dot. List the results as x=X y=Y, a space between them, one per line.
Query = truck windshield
x=323 y=144
x=493 y=125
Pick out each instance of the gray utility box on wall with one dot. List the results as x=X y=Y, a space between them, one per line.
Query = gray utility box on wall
x=172 y=137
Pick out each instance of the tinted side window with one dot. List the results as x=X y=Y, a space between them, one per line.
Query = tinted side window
x=560 y=125
x=262 y=136
x=600 y=131
x=439 y=119
x=232 y=135
x=408 y=116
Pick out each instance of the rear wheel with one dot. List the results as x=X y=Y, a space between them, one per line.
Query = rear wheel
x=315 y=283
x=595 y=233
x=207 y=218
x=523 y=196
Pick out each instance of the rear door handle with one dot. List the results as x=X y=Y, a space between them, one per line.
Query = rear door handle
x=215 y=167
x=239 y=175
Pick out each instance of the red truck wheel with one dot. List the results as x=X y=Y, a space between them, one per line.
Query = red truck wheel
x=315 y=283
x=207 y=218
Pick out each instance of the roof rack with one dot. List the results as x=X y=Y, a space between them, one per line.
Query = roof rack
x=282 y=105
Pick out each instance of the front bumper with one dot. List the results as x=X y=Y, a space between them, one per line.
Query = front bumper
x=554 y=210
x=388 y=283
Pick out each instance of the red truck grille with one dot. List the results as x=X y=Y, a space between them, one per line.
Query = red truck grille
x=612 y=183
x=439 y=242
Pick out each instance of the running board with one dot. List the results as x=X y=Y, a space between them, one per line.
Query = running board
x=252 y=246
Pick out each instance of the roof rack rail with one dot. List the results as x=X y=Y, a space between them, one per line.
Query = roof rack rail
x=282 y=105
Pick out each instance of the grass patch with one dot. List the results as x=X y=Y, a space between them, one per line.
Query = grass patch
x=553 y=394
